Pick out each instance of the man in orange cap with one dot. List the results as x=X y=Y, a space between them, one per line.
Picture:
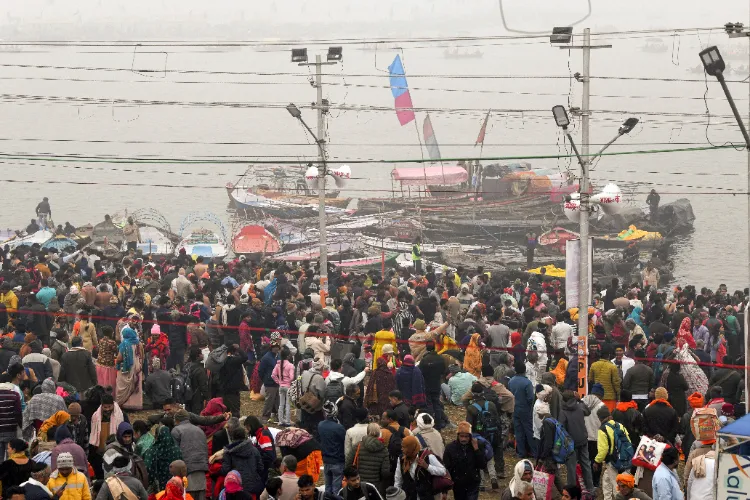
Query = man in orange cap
x=626 y=488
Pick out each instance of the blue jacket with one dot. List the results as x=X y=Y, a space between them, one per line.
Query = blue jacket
x=523 y=390
x=665 y=484
x=332 y=436
x=267 y=363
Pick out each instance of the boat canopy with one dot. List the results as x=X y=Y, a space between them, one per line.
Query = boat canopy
x=424 y=176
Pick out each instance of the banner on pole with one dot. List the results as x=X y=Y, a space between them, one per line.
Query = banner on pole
x=400 y=91
x=430 y=141
x=572 y=271
x=734 y=477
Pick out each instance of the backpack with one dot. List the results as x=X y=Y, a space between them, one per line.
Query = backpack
x=488 y=425
x=658 y=366
x=490 y=395
x=180 y=386
x=334 y=390
x=394 y=446
x=622 y=454
x=704 y=423
x=489 y=453
x=563 y=445
x=217 y=358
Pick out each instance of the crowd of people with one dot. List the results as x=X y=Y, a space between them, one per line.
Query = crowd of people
x=124 y=375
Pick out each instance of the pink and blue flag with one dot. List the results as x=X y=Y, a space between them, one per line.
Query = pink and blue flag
x=400 y=91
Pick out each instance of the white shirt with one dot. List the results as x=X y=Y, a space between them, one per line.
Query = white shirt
x=561 y=332
x=627 y=364
x=702 y=487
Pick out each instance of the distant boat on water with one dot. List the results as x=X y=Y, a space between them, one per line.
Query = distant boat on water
x=462 y=53
x=654 y=46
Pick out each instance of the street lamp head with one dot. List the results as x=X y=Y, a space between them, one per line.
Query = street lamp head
x=299 y=55
x=712 y=61
x=561 y=116
x=629 y=125
x=294 y=111
x=561 y=35
x=335 y=54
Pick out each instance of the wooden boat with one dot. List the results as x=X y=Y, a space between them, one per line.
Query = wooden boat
x=427 y=248
x=311 y=252
x=154 y=242
x=473 y=189
x=203 y=242
x=554 y=240
x=404 y=261
x=40 y=237
x=455 y=256
x=366 y=261
x=197 y=239
x=255 y=240
x=280 y=191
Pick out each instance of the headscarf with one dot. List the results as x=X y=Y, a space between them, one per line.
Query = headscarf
x=685 y=333
x=233 y=482
x=214 y=407
x=626 y=479
x=163 y=452
x=521 y=467
x=411 y=448
x=515 y=338
x=41 y=407
x=330 y=410
x=129 y=339
x=636 y=316
x=473 y=356
x=174 y=489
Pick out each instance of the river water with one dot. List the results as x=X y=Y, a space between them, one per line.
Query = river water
x=716 y=252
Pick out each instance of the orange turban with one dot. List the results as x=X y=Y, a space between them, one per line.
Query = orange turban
x=626 y=479
x=695 y=400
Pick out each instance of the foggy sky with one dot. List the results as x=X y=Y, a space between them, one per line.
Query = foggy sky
x=412 y=17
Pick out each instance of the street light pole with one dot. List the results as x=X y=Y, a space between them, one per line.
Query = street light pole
x=562 y=121
x=584 y=293
x=300 y=56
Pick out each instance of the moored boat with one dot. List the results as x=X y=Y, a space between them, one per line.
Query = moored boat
x=255 y=240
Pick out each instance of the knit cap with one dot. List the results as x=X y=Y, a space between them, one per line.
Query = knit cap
x=65 y=460
x=463 y=428
x=394 y=493
x=661 y=393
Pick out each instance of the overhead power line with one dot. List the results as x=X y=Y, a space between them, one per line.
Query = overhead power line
x=198 y=161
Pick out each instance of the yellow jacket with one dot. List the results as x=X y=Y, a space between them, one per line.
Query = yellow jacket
x=605 y=445
x=382 y=338
x=10 y=300
x=605 y=372
x=76 y=486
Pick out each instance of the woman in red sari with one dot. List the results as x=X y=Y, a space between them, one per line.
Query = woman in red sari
x=685 y=334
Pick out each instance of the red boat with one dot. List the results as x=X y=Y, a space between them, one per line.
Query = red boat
x=255 y=240
x=554 y=239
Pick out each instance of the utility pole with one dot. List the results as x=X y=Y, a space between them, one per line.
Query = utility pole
x=584 y=268
x=334 y=55
x=322 y=181
x=737 y=30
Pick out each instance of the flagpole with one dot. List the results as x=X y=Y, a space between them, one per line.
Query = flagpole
x=416 y=125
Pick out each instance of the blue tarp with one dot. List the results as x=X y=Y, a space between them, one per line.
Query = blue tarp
x=740 y=428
